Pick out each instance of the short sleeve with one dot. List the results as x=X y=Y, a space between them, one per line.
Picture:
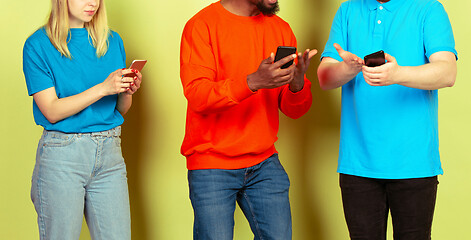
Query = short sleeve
x=336 y=36
x=121 y=46
x=438 y=34
x=37 y=73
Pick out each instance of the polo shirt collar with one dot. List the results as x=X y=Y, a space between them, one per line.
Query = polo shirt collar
x=391 y=6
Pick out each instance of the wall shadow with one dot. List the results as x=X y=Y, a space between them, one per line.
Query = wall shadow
x=134 y=128
x=323 y=116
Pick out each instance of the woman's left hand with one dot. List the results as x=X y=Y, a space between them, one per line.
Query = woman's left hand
x=136 y=84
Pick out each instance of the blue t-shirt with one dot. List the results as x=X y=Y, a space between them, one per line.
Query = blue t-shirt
x=44 y=67
x=390 y=132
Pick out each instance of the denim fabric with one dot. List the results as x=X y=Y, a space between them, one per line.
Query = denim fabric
x=367 y=202
x=262 y=192
x=81 y=173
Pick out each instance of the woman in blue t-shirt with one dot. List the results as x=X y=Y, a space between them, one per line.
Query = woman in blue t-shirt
x=74 y=69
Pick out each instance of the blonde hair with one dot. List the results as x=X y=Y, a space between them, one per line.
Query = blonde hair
x=58 y=29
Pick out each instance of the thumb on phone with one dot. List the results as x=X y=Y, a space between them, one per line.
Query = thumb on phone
x=389 y=58
x=270 y=59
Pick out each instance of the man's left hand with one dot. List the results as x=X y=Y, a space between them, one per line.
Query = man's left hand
x=304 y=59
x=383 y=75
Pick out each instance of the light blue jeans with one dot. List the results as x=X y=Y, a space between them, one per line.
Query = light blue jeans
x=262 y=192
x=77 y=174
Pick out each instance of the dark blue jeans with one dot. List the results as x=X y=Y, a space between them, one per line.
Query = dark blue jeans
x=367 y=202
x=262 y=192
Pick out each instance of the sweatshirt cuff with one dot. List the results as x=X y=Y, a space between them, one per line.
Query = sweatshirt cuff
x=299 y=97
x=240 y=90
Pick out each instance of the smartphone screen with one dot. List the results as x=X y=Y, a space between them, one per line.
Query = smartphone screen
x=138 y=65
x=282 y=52
x=375 y=59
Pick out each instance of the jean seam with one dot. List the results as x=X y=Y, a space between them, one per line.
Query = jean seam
x=41 y=222
x=42 y=227
x=95 y=171
x=257 y=228
x=93 y=212
x=98 y=164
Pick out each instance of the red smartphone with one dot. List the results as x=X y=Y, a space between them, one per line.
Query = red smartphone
x=375 y=59
x=282 y=52
x=138 y=65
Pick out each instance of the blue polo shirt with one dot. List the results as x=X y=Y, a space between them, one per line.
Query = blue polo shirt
x=44 y=67
x=390 y=132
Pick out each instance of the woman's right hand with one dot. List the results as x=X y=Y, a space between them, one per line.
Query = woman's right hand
x=116 y=82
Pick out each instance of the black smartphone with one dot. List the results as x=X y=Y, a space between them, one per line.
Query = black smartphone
x=375 y=59
x=282 y=52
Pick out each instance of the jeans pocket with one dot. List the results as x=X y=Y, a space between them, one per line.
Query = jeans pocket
x=58 y=140
x=56 y=146
x=275 y=160
x=117 y=141
x=276 y=169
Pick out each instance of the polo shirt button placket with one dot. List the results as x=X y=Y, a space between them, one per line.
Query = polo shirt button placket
x=378 y=30
x=380 y=8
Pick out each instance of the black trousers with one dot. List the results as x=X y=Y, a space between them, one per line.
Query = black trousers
x=367 y=202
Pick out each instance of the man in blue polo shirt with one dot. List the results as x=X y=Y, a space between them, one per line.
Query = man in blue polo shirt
x=388 y=157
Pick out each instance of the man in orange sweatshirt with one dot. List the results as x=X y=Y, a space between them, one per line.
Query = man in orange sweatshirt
x=234 y=91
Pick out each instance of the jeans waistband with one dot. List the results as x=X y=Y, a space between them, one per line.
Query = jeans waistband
x=114 y=132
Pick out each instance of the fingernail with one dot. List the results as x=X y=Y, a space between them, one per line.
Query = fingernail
x=135 y=78
x=132 y=84
x=123 y=69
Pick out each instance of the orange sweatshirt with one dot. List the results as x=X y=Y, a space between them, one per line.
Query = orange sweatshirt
x=228 y=126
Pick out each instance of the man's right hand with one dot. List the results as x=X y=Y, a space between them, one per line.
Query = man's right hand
x=270 y=75
x=353 y=62
x=333 y=74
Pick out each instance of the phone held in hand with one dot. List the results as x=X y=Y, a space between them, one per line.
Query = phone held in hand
x=282 y=52
x=138 y=65
x=375 y=59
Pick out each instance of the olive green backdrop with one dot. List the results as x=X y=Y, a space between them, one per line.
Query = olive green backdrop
x=154 y=127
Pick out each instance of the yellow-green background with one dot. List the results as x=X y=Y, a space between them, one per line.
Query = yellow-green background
x=154 y=127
